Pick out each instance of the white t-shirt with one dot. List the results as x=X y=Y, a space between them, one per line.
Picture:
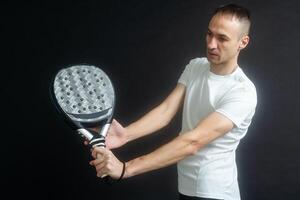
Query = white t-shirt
x=212 y=171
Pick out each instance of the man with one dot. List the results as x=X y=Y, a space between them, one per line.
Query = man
x=219 y=103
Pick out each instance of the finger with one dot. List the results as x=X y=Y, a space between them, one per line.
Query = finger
x=94 y=154
x=102 y=172
x=101 y=166
x=97 y=155
x=104 y=175
x=97 y=161
x=98 y=151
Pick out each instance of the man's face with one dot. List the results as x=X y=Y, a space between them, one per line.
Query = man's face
x=223 y=39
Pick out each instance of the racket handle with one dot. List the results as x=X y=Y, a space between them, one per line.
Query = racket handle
x=85 y=134
x=104 y=129
x=96 y=140
x=99 y=141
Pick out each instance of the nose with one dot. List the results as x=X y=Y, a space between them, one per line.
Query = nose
x=211 y=43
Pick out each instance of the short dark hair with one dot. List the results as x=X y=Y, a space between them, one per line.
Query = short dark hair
x=239 y=12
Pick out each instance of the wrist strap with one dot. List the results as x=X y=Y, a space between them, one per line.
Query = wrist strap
x=123 y=171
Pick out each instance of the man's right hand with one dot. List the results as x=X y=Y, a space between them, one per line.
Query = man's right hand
x=116 y=136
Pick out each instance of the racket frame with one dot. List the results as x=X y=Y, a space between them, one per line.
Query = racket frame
x=95 y=139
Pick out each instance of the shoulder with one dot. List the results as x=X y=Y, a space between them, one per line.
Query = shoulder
x=243 y=81
x=194 y=70
x=198 y=64
x=243 y=87
x=199 y=61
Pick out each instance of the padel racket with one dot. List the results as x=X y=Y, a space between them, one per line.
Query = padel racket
x=85 y=96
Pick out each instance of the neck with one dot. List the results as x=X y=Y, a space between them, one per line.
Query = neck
x=224 y=68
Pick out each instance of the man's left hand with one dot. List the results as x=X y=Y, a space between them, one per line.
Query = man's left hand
x=106 y=163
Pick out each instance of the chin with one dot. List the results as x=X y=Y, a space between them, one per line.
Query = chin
x=213 y=61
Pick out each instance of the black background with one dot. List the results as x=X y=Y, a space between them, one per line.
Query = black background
x=143 y=46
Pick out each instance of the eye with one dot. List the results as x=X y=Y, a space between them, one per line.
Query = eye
x=209 y=33
x=223 y=39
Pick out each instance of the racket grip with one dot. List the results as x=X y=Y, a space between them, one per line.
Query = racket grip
x=99 y=141
x=95 y=140
x=85 y=134
x=104 y=129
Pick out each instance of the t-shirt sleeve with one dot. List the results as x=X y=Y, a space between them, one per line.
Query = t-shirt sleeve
x=188 y=71
x=184 y=78
x=238 y=106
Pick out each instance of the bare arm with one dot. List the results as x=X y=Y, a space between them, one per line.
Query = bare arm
x=156 y=119
x=159 y=117
x=212 y=127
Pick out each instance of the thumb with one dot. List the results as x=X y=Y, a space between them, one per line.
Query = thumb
x=98 y=151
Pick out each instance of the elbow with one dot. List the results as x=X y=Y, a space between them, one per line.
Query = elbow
x=195 y=146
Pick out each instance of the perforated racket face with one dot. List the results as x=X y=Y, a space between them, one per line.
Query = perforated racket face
x=84 y=92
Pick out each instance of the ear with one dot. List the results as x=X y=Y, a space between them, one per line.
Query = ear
x=244 y=42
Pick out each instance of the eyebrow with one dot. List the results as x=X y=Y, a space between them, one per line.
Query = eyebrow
x=221 y=35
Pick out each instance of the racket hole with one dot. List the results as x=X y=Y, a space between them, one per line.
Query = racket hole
x=101 y=108
x=79 y=111
x=95 y=90
x=62 y=90
x=103 y=101
x=78 y=95
x=68 y=93
x=97 y=80
x=71 y=88
x=89 y=71
x=67 y=85
x=89 y=84
x=79 y=104
x=104 y=84
x=91 y=92
x=84 y=109
x=101 y=78
x=81 y=99
x=74 y=106
x=60 y=78
x=95 y=75
x=78 y=72
x=66 y=78
x=68 y=102
x=70 y=74
x=84 y=86
x=61 y=98
x=81 y=79
x=98 y=97
x=102 y=95
x=90 y=107
x=95 y=107
x=83 y=70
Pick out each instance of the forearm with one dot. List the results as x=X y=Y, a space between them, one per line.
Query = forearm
x=170 y=153
x=189 y=143
x=159 y=116
x=186 y=144
x=151 y=122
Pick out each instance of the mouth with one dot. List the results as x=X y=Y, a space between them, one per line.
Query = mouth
x=211 y=54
